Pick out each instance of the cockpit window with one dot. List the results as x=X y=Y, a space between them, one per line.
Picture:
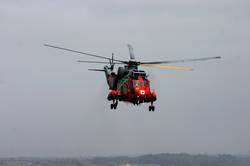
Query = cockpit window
x=146 y=83
x=141 y=83
x=135 y=83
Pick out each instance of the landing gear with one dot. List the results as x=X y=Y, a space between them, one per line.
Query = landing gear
x=151 y=107
x=114 y=105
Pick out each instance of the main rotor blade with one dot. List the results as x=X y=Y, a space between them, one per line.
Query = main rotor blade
x=183 y=60
x=79 y=52
x=166 y=67
x=131 y=51
x=98 y=62
x=96 y=69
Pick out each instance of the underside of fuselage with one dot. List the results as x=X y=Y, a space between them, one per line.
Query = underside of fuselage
x=132 y=100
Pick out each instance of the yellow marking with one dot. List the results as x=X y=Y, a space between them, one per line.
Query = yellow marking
x=166 y=67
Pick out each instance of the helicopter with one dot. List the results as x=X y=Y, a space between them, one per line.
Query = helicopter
x=129 y=84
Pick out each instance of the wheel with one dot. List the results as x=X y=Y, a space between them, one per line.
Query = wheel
x=111 y=106
x=153 y=108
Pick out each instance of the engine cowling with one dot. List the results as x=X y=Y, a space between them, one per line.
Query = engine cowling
x=121 y=72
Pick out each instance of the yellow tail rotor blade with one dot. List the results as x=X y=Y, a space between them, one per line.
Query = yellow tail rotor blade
x=166 y=67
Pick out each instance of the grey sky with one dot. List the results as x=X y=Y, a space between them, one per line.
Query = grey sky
x=50 y=105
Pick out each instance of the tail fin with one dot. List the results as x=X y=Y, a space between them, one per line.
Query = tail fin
x=131 y=52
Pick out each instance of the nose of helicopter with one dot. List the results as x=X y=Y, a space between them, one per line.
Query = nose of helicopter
x=140 y=92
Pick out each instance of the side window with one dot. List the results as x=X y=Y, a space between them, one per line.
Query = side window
x=146 y=83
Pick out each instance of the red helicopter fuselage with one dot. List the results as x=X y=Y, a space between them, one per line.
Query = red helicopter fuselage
x=134 y=88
